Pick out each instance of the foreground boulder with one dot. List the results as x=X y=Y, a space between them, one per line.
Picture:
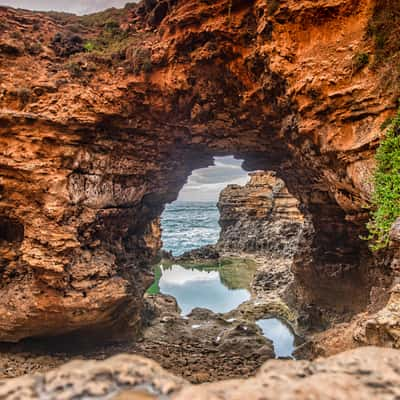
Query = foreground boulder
x=113 y=378
x=363 y=374
x=368 y=373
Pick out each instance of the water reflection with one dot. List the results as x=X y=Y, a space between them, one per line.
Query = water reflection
x=280 y=334
x=219 y=289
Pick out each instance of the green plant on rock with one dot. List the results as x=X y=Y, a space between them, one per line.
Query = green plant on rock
x=89 y=46
x=386 y=196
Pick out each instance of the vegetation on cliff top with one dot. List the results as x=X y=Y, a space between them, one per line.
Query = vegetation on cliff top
x=386 y=196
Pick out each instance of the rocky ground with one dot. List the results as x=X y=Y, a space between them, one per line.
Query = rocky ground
x=366 y=374
x=201 y=347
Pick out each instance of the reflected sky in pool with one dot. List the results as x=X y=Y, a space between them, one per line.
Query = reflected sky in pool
x=280 y=334
x=200 y=288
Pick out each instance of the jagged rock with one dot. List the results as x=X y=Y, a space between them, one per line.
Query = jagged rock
x=261 y=216
x=209 y=252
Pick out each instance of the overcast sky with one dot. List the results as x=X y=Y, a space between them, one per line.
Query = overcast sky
x=71 y=6
x=205 y=184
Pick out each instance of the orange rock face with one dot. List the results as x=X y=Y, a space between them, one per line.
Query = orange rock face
x=93 y=146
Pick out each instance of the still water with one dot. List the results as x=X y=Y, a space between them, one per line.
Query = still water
x=219 y=289
x=280 y=334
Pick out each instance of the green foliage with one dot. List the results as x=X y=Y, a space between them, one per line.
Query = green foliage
x=360 y=60
x=155 y=287
x=386 y=196
x=34 y=49
x=89 y=46
x=140 y=60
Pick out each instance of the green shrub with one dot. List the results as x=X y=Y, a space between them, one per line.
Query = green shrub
x=89 y=46
x=386 y=196
x=23 y=94
x=34 y=49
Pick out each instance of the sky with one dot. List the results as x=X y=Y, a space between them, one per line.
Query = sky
x=205 y=184
x=71 y=6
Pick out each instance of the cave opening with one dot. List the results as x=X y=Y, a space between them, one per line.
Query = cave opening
x=217 y=237
x=192 y=221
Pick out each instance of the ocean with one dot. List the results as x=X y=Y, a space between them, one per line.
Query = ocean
x=189 y=225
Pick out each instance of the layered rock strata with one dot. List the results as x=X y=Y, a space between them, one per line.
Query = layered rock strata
x=260 y=217
x=94 y=143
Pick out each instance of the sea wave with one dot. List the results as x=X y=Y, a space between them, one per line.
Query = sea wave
x=189 y=225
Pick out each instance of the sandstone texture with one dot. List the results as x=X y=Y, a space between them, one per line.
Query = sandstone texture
x=260 y=217
x=369 y=373
x=93 y=144
x=119 y=377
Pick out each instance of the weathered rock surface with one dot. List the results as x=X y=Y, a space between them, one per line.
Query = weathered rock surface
x=368 y=373
x=120 y=377
x=261 y=216
x=93 y=145
x=203 y=346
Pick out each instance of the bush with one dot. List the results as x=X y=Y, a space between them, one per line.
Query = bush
x=89 y=46
x=34 y=49
x=386 y=196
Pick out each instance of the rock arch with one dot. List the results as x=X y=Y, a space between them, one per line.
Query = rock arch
x=95 y=158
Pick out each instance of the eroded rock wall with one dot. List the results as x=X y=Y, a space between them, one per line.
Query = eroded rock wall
x=260 y=217
x=93 y=144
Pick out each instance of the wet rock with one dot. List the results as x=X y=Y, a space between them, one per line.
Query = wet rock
x=201 y=254
x=203 y=346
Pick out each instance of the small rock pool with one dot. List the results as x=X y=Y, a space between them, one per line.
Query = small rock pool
x=280 y=334
x=219 y=288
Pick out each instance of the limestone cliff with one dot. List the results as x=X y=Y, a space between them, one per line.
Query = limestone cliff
x=261 y=216
x=102 y=121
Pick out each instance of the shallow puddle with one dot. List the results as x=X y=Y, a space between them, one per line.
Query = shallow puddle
x=219 y=288
x=280 y=334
